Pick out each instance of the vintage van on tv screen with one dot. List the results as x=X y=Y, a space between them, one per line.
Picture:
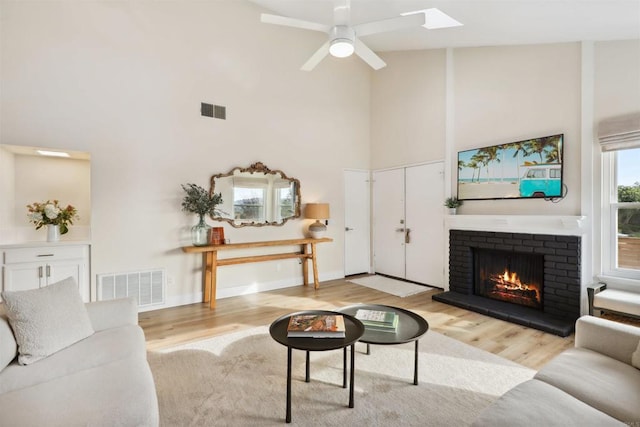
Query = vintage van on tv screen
x=517 y=170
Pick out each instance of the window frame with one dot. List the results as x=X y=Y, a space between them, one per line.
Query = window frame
x=610 y=208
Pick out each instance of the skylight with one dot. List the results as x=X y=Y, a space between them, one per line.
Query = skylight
x=435 y=19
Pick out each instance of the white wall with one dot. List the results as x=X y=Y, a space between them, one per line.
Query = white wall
x=7 y=192
x=617 y=78
x=508 y=94
x=408 y=109
x=124 y=81
x=499 y=95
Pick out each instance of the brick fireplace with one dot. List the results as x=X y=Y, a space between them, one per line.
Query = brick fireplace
x=555 y=262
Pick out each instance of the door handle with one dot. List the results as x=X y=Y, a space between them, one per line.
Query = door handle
x=400 y=230
x=48 y=271
x=407 y=238
x=40 y=272
x=348 y=229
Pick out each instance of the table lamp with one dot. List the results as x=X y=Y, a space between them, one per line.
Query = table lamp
x=317 y=211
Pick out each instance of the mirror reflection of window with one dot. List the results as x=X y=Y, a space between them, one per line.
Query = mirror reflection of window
x=286 y=206
x=249 y=204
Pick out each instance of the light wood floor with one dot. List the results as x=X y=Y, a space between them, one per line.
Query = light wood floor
x=168 y=327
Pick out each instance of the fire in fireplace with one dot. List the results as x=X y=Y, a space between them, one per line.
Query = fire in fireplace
x=509 y=276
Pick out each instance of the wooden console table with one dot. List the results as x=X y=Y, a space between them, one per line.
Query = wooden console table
x=211 y=261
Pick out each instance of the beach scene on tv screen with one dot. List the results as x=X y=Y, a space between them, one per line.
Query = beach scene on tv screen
x=523 y=169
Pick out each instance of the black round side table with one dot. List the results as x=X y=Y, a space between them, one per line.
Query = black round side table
x=410 y=328
x=353 y=331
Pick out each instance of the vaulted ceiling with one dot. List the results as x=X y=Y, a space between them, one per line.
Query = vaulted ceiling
x=486 y=22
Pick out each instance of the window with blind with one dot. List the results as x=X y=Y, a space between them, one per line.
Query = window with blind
x=620 y=143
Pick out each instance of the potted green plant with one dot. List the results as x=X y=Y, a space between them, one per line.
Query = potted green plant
x=452 y=203
x=199 y=201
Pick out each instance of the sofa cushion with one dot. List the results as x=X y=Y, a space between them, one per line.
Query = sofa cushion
x=98 y=349
x=535 y=403
x=600 y=381
x=120 y=393
x=607 y=337
x=8 y=345
x=112 y=313
x=47 y=320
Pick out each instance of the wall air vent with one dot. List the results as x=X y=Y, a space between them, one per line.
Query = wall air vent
x=220 y=112
x=147 y=286
x=206 y=110
x=215 y=111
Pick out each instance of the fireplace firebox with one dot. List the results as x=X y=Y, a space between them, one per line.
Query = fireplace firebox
x=514 y=298
x=513 y=277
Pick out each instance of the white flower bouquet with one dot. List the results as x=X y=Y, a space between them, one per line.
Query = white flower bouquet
x=50 y=213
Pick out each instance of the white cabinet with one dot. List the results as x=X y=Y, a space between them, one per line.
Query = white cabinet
x=35 y=267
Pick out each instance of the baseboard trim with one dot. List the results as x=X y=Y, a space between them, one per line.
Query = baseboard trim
x=238 y=290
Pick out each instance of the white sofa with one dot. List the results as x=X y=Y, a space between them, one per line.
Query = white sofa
x=593 y=384
x=102 y=380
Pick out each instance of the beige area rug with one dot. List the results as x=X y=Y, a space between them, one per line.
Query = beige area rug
x=391 y=286
x=240 y=380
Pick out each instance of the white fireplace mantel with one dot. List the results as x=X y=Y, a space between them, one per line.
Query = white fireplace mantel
x=535 y=224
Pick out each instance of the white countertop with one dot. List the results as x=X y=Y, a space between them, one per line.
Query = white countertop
x=40 y=244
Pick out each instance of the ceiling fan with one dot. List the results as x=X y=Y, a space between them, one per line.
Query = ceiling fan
x=343 y=37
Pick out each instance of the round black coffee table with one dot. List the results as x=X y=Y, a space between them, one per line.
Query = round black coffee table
x=410 y=328
x=353 y=331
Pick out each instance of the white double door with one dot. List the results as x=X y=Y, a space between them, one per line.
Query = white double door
x=408 y=217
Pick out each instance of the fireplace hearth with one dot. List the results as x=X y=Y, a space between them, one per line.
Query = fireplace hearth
x=528 y=279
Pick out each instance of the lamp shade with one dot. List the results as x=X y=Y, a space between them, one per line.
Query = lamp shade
x=317 y=211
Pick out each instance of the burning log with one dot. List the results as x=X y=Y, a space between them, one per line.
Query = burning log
x=510 y=287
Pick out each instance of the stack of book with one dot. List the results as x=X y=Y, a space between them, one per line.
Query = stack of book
x=316 y=326
x=378 y=320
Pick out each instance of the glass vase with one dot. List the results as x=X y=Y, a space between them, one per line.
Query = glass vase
x=200 y=233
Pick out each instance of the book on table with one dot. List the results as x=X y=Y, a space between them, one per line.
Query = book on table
x=316 y=326
x=378 y=320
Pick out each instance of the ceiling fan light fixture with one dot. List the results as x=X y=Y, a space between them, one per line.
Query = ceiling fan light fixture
x=341 y=48
x=342 y=41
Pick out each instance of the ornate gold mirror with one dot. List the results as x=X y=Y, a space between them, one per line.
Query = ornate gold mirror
x=256 y=196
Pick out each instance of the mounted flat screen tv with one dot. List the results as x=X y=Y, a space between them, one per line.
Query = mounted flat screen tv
x=517 y=170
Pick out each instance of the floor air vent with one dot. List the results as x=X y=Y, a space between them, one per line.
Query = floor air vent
x=147 y=287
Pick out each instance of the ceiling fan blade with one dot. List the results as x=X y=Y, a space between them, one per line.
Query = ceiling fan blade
x=316 y=57
x=393 y=24
x=368 y=55
x=293 y=22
